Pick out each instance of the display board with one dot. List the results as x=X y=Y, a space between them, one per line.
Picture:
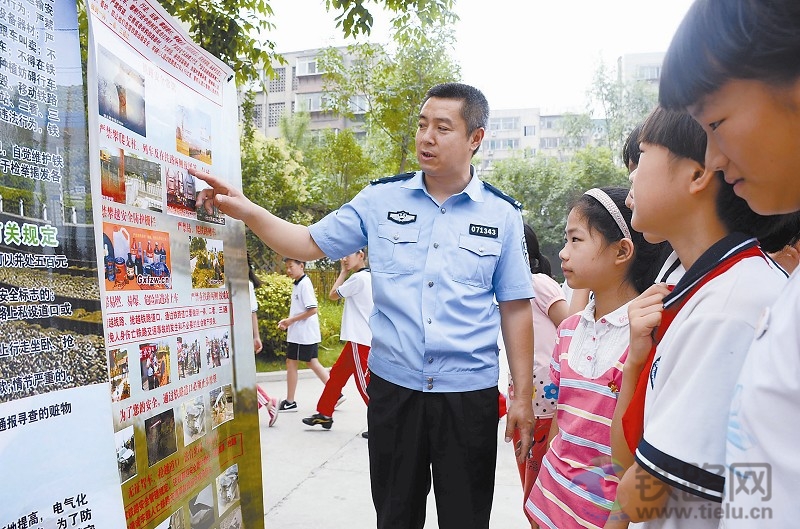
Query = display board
x=127 y=377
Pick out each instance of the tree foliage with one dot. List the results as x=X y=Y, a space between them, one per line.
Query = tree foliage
x=392 y=84
x=274 y=177
x=339 y=168
x=623 y=104
x=546 y=187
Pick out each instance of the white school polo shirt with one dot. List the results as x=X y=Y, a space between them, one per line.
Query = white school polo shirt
x=764 y=425
x=357 y=294
x=691 y=384
x=304 y=332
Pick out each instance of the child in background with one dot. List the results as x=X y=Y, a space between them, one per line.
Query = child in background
x=302 y=331
x=678 y=383
x=264 y=400
x=354 y=284
x=577 y=485
x=549 y=310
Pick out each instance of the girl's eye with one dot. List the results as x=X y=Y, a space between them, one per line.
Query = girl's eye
x=713 y=126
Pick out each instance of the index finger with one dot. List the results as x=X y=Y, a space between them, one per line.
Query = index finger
x=217 y=183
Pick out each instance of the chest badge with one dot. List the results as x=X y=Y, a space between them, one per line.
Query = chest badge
x=483 y=231
x=401 y=217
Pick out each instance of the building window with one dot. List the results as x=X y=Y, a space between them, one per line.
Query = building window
x=549 y=123
x=307 y=66
x=548 y=143
x=278 y=83
x=294 y=78
x=504 y=144
x=530 y=130
x=311 y=102
x=274 y=113
x=504 y=123
x=358 y=104
x=649 y=73
x=258 y=116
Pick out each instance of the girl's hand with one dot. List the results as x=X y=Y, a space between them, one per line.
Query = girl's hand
x=644 y=314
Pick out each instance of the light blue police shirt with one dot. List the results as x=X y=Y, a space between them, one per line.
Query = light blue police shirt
x=436 y=269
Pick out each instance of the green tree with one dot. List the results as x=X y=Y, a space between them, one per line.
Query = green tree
x=339 y=168
x=390 y=84
x=622 y=104
x=546 y=187
x=274 y=177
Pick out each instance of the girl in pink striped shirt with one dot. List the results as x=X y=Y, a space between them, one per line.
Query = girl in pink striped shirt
x=576 y=485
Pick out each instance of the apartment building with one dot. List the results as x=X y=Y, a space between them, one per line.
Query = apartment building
x=298 y=84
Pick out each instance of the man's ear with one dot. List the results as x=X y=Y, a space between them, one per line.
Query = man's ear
x=625 y=250
x=476 y=137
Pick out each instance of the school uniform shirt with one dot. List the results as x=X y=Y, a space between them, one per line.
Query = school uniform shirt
x=435 y=271
x=357 y=293
x=763 y=467
x=253 y=300
x=671 y=271
x=303 y=332
x=692 y=383
x=544 y=341
x=577 y=484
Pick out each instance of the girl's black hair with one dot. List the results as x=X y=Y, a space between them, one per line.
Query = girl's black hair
x=251 y=273
x=721 y=40
x=646 y=263
x=684 y=137
x=630 y=150
x=539 y=263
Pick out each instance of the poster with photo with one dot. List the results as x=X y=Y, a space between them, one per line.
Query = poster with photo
x=96 y=276
x=171 y=276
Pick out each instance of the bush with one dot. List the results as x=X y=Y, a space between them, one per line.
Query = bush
x=274 y=299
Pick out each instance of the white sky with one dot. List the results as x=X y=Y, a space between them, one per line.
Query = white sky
x=520 y=53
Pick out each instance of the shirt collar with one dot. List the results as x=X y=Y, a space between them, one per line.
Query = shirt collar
x=617 y=317
x=297 y=281
x=474 y=189
x=729 y=245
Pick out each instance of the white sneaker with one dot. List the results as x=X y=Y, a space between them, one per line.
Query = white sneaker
x=272 y=410
x=339 y=402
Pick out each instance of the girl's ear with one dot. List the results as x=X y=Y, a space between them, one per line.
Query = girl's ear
x=625 y=251
x=701 y=179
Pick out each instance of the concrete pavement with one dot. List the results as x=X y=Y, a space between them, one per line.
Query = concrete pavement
x=315 y=478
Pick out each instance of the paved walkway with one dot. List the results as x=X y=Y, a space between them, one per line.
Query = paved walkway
x=315 y=478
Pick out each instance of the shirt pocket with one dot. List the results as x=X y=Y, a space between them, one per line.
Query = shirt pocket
x=394 y=250
x=475 y=261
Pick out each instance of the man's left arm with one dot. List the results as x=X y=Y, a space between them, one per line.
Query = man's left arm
x=516 y=322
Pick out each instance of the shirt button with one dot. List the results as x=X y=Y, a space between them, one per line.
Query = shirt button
x=430 y=359
x=436 y=245
x=396 y=236
x=603 y=320
x=444 y=210
x=430 y=386
x=589 y=357
x=430 y=380
x=481 y=250
x=429 y=320
x=430 y=283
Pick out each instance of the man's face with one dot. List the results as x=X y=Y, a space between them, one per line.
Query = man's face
x=444 y=146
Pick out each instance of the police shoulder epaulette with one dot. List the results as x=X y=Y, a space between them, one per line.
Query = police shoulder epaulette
x=395 y=178
x=511 y=200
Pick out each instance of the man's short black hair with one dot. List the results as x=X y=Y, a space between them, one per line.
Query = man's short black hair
x=475 y=109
